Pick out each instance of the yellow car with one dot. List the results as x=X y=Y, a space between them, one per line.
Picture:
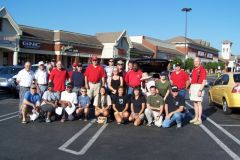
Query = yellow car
x=225 y=91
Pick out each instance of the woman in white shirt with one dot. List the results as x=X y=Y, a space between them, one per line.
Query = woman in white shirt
x=102 y=103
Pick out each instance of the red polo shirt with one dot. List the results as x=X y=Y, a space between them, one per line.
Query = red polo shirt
x=179 y=79
x=94 y=74
x=198 y=75
x=132 y=78
x=58 y=77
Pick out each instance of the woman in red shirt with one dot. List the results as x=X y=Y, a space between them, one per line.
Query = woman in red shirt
x=196 y=91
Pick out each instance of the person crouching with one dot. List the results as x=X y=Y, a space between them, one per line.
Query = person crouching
x=102 y=103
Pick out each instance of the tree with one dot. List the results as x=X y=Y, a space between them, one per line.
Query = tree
x=189 y=64
x=175 y=61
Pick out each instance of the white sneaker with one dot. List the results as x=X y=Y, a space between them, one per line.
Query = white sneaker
x=158 y=123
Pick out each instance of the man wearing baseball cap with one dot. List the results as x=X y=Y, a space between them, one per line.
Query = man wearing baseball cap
x=180 y=79
x=74 y=68
x=31 y=101
x=174 y=109
x=94 y=77
x=78 y=79
x=41 y=77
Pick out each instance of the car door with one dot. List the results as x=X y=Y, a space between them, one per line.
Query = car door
x=215 y=89
x=223 y=87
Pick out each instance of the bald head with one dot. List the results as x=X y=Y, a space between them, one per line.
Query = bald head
x=197 y=62
x=27 y=66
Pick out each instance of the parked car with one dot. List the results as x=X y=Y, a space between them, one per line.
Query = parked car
x=152 y=66
x=225 y=91
x=8 y=77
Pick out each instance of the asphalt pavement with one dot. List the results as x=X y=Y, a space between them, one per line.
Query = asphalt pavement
x=218 y=138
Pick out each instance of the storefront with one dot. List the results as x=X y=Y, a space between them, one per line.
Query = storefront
x=19 y=43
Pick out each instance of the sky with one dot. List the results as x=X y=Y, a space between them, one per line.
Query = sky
x=210 y=20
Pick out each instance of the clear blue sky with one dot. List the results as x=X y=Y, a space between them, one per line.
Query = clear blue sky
x=211 y=20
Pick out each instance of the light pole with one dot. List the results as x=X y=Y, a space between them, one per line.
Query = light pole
x=186 y=10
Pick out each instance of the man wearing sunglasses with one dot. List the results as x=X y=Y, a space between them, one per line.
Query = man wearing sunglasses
x=174 y=109
x=94 y=78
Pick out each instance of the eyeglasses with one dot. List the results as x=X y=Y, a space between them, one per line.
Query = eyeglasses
x=84 y=91
x=120 y=64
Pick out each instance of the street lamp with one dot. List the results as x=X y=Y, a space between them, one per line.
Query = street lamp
x=186 y=10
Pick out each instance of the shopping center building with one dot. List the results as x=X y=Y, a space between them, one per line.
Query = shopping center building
x=19 y=43
x=192 y=48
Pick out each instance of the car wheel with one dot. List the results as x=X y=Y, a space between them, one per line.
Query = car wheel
x=226 y=109
x=210 y=102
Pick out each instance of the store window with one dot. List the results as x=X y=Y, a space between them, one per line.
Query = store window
x=5 y=59
x=44 y=58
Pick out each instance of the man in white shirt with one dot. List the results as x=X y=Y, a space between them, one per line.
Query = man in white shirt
x=25 y=78
x=68 y=103
x=41 y=77
x=109 y=68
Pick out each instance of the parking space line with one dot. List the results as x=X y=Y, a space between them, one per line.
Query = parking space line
x=4 y=115
x=73 y=138
x=229 y=125
x=92 y=140
x=219 y=127
x=87 y=145
x=218 y=141
x=8 y=118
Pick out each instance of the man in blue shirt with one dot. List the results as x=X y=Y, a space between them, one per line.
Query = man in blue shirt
x=78 y=79
x=31 y=101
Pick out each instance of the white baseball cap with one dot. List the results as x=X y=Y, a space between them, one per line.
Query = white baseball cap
x=40 y=63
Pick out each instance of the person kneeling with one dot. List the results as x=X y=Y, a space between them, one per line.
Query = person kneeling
x=138 y=103
x=174 y=109
x=83 y=104
x=68 y=101
x=31 y=104
x=50 y=102
x=120 y=106
x=102 y=103
x=154 y=108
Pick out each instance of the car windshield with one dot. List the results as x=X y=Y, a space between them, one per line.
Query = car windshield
x=4 y=71
x=236 y=78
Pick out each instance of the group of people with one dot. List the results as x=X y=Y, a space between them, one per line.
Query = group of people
x=112 y=92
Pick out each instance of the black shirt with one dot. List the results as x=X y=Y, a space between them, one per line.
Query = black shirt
x=120 y=102
x=174 y=103
x=137 y=103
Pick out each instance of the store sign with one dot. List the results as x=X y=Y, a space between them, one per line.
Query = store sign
x=30 y=44
x=205 y=55
x=72 y=50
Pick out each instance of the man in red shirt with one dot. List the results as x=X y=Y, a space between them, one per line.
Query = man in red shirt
x=133 y=78
x=180 y=79
x=196 y=91
x=94 y=78
x=59 y=76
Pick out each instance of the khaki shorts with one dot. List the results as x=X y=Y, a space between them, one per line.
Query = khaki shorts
x=194 y=89
x=93 y=89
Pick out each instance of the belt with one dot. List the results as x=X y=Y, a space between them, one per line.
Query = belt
x=42 y=84
x=94 y=82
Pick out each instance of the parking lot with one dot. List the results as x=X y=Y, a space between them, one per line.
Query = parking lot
x=218 y=138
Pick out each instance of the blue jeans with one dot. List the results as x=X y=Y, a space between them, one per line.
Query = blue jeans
x=130 y=91
x=182 y=93
x=176 y=117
